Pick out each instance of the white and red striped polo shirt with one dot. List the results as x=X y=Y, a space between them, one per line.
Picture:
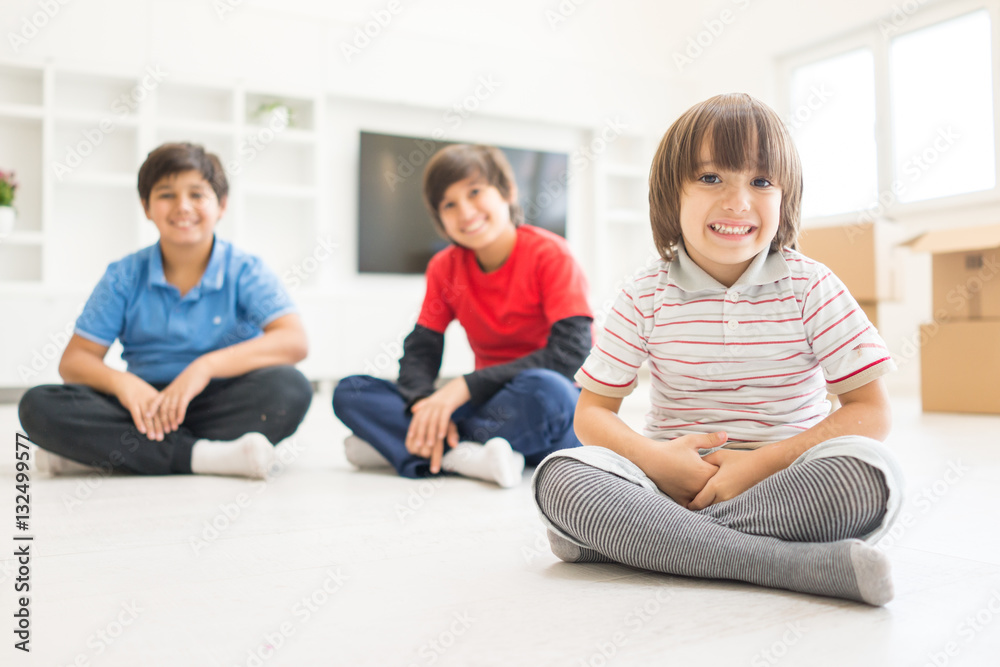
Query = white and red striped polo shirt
x=755 y=360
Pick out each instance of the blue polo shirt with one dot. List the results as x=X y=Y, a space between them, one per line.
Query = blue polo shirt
x=161 y=331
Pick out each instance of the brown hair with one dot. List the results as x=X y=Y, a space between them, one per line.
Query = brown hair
x=460 y=161
x=170 y=159
x=745 y=135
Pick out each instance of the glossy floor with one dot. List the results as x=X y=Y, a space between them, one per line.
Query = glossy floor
x=324 y=565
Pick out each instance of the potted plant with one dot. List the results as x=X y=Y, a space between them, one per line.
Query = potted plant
x=8 y=186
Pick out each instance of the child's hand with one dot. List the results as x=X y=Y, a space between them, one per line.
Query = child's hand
x=738 y=471
x=432 y=425
x=172 y=403
x=676 y=467
x=136 y=395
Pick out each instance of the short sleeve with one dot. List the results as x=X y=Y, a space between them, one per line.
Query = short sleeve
x=437 y=312
x=103 y=316
x=261 y=297
x=849 y=349
x=612 y=367
x=563 y=285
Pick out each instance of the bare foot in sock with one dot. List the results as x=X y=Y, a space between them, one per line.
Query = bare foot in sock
x=53 y=464
x=361 y=454
x=873 y=572
x=250 y=455
x=569 y=552
x=494 y=461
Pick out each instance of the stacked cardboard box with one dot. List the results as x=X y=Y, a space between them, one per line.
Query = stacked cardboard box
x=960 y=347
x=861 y=256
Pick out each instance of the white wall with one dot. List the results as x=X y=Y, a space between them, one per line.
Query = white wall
x=563 y=67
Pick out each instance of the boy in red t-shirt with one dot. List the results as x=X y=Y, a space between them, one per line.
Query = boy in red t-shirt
x=521 y=298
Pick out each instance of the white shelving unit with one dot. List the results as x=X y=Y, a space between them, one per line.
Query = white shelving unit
x=621 y=201
x=76 y=139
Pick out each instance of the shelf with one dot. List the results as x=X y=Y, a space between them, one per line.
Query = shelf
x=95 y=118
x=26 y=111
x=21 y=264
x=90 y=95
x=275 y=190
x=20 y=86
x=201 y=127
x=121 y=180
x=627 y=216
x=303 y=116
x=24 y=238
x=195 y=104
x=627 y=171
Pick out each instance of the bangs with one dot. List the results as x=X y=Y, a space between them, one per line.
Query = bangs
x=744 y=135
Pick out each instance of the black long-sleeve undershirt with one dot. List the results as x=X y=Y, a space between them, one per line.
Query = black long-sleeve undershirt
x=565 y=351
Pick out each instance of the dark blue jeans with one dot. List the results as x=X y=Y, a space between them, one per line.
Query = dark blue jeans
x=533 y=412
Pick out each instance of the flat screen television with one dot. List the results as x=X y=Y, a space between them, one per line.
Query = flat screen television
x=395 y=232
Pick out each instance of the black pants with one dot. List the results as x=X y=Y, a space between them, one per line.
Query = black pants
x=87 y=426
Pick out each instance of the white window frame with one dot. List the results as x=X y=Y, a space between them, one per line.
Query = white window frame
x=871 y=37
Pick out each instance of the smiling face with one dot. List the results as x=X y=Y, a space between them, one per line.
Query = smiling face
x=476 y=216
x=727 y=217
x=185 y=210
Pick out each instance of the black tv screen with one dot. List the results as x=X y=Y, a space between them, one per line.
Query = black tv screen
x=395 y=232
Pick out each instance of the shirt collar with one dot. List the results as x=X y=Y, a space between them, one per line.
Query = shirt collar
x=211 y=280
x=766 y=268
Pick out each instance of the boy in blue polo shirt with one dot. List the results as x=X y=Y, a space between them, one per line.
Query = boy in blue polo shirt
x=209 y=336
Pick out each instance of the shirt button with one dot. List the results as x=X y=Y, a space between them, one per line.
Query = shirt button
x=734 y=296
x=732 y=324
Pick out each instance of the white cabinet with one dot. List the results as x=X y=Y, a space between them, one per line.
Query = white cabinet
x=76 y=140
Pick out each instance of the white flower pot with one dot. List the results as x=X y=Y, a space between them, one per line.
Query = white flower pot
x=7 y=218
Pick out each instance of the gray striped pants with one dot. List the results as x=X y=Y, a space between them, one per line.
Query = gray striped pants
x=799 y=529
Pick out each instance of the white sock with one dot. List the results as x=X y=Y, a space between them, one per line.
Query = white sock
x=361 y=454
x=494 y=462
x=53 y=464
x=249 y=455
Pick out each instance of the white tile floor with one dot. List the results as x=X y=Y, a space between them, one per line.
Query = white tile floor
x=327 y=566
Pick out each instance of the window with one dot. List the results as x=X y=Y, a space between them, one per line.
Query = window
x=896 y=116
x=942 y=109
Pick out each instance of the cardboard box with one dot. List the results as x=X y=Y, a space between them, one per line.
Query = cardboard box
x=870 y=309
x=965 y=271
x=960 y=366
x=860 y=254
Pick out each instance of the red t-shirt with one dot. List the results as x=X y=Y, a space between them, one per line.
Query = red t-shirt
x=506 y=314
